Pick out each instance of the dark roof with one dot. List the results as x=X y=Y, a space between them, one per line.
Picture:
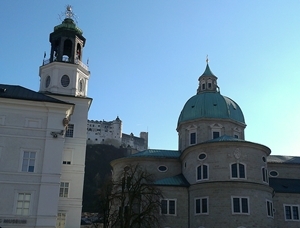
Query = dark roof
x=21 y=93
x=283 y=185
x=158 y=153
x=178 y=180
x=283 y=159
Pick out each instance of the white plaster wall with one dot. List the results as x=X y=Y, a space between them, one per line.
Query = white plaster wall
x=27 y=125
x=74 y=173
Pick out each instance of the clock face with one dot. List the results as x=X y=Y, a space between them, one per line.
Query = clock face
x=48 y=80
x=65 y=80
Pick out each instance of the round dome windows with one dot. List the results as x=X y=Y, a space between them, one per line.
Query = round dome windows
x=202 y=156
x=162 y=168
x=273 y=173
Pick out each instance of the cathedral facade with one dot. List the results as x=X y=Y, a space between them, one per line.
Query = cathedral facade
x=216 y=178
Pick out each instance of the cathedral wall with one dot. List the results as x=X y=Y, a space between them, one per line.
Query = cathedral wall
x=291 y=171
x=204 y=129
x=281 y=199
x=149 y=164
x=220 y=212
x=220 y=156
x=180 y=195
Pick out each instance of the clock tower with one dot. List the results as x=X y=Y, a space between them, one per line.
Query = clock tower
x=65 y=77
x=64 y=72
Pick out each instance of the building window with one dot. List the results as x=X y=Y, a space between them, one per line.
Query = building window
x=70 y=131
x=201 y=205
x=216 y=134
x=270 y=211
x=23 y=203
x=67 y=157
x=240 y=205
x=64 y=189
x=61 y=220
x=238 y=170
x=162 y=168
x=202 y=156
x=203 y=86
x=274 y=173
x=202 y=172
x=265 y=177
x=209 y=85
x=28 y=161
x=168 y=207
x=193 y=138
x=291 y=212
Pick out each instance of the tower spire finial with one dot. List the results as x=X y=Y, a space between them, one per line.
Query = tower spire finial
x=207 y=60
x=68 y=14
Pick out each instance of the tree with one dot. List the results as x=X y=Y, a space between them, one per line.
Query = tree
x=134 y=200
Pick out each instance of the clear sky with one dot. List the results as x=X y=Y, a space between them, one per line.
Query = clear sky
x=145 y=57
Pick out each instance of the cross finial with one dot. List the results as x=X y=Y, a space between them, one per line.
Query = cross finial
x=207 y=60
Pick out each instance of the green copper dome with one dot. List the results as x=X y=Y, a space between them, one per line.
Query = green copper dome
x=68 y=25
x=209 y=103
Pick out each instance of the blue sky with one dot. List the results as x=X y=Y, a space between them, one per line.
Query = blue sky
x=145 y=58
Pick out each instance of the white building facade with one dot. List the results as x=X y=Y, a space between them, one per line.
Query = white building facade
x=43 y=139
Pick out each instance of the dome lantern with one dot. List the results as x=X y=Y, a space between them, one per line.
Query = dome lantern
x=207 y=81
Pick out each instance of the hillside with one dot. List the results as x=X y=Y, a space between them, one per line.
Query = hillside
x=97 y=169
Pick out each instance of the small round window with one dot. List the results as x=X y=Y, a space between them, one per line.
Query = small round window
x=264 y=159
x=162 y=168
x=273 y=173
x=65 y=80
x=202 y=156
x=48 y=80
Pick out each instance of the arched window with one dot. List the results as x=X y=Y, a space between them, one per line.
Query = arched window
x=202 y=172
x=192 y=130
x=192 y=138
x=238 y=170
x=216 y=130
x=67 y=48
x=78 y=52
